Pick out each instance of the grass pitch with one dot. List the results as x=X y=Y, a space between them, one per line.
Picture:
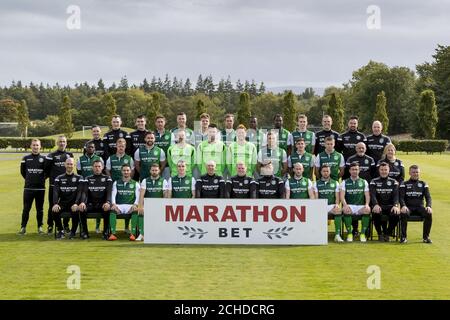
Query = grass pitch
x=35 y=267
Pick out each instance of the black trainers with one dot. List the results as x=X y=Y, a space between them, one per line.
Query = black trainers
x=84 y=236
x=67 y=230
x=427 y=240
x=380 y=238
x=60 y=235
x=49 y=230
x=386 y=238
x=403 y=240
x=71 y=235
x=105 y=236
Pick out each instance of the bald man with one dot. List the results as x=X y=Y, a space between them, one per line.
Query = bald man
x=377 y=141
x=210 y=185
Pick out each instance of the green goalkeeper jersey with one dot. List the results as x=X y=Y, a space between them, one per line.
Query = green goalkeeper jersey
x=211 y=151
x=355 y=191
x=245 y=153
x=177 y=153
x=327 y=190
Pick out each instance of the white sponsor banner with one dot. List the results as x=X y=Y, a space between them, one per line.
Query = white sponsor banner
x=236 y=221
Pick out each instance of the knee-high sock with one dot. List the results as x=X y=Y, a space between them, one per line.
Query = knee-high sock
x=141 y=224
x=113 y=221
x=134 y=223
x=127 y=223
x=348 y=222
x=97 y=223
x=337 y=223
x=365 y=221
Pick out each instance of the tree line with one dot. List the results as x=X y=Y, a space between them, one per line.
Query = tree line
x=405 y=100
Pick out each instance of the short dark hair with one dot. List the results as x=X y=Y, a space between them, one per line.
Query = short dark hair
x=160 y=116
x=325 y=166
x=181 y=113
x=154 y=164
x=299 y=140
x=278 y=115
x=383 y=164
x=354 y=164
x=353 y=118
x=149 y=132
x=329 y=138
x=95 y=126
x=141 y=116
x=125 y=165
x=212 y=125
x=414 y=166
x=96 y=161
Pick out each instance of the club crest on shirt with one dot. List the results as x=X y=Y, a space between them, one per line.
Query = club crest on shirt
x=215 y=180
x=419 y=185
x=396 y=163
x=381 y=140
x=41 y=160
x=358 y=138
x=125 y=161
x=389 y=183
x=74 y=179
x=366 y=161
x=273 y=183
x=186 y=182
x=103 y=179
x=245 y=181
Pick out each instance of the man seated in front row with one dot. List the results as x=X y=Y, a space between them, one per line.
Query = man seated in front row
x=412 y=194
x=97 y=196
x=67 y=193
x=124 y=200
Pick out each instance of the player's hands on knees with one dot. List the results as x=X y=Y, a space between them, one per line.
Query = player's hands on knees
x=140 y=210
x=395 y=210
x=133 y=208
x=56 y=208
x=74 y=208
x=336 y=209
x=106 y=206
x=115 y=208
x=376 y=209
x=366 y=209
x=429 y=210
x=82 y=207
x=347 y=209
x=404 y=209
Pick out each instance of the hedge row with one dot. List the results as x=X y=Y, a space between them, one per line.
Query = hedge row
x=20 y=143
x=76 y=143
x=428 y=146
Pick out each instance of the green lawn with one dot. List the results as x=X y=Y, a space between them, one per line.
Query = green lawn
x=34 y=267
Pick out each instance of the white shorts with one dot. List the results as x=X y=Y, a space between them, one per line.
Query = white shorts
x=355 y=209
x=330 y=207
x=124 y=208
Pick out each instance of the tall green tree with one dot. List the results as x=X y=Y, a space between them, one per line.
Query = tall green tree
x=110 y=108
x=200 y=108
x=428 y=115
x=380 y=111
x=289 y=111
x=8 y=110
x=64 y=123
x=244 y=111
x=23 y=118
x=336 y=111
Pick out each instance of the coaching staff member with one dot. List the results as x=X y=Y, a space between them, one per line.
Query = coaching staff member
x=268 y=185
x=210 y=185
x=67 y=194
x=96 y=198
x=32 y=169
x=241 y=186
x=384 y=198
x=412 y=193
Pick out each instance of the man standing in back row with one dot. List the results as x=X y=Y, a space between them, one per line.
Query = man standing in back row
x=32 y=169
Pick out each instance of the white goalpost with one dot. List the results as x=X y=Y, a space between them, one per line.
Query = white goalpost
x=87 y=130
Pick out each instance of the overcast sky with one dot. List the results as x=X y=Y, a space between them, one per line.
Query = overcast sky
x=283 y=42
